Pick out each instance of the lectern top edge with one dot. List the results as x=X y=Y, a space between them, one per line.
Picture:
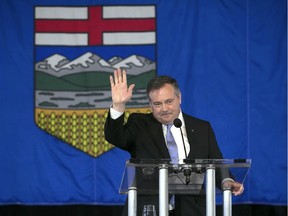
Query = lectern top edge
x=192 y=162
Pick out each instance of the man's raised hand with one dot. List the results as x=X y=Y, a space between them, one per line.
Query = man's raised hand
x=120 y=91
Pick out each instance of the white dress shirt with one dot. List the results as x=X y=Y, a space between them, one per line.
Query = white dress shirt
x=178 y=138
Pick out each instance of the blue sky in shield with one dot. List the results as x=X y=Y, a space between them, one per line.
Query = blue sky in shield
x=106 y=52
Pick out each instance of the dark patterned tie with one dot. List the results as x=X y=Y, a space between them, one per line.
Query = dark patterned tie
x=171 y=144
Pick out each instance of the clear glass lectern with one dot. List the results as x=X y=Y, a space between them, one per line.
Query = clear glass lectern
x=160 y=177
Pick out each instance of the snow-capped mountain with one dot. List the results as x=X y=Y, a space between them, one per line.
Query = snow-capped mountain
x=134 y=64
x=115 y=60
x=58 y=65
x=86 y=60
x=55 y=62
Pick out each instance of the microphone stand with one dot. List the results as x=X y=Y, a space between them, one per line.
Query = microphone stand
x=186 y=171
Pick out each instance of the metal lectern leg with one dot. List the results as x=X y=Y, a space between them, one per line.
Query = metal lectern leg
x=163 y=191
x=210 y=192
x=227 y=203
x=132 y=201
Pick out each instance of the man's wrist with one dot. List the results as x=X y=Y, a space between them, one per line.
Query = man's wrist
x=118 y=107
x=115 y=113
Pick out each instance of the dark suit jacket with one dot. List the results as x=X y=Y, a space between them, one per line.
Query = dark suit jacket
x=142 y=136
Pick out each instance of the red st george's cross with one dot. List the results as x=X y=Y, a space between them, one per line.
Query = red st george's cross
x=95 y=25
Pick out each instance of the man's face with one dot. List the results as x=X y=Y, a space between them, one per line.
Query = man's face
x=165 y=104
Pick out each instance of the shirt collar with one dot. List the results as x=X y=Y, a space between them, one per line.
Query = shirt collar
x=180 y=117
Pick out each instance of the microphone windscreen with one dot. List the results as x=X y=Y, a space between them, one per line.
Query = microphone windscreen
x=177 y=123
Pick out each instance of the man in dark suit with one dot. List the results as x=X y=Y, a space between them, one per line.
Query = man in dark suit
x=144 y=135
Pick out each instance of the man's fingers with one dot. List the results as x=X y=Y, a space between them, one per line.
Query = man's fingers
x=131 y=87
x=112 y=81
x=239 y=190
x=115 y=77
x=119 y=76
x=124 y=76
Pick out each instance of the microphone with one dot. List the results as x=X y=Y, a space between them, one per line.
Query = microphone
x=178 y=123
x=187 y=172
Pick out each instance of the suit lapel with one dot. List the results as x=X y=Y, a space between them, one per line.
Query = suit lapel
x=190 y=133
x=156 y=132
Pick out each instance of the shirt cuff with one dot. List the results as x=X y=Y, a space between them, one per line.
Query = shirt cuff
x=114 y=113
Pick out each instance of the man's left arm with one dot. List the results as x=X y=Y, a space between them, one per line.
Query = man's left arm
x=224 y=176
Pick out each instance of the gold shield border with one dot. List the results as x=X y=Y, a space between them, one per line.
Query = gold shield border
x=82 y=129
